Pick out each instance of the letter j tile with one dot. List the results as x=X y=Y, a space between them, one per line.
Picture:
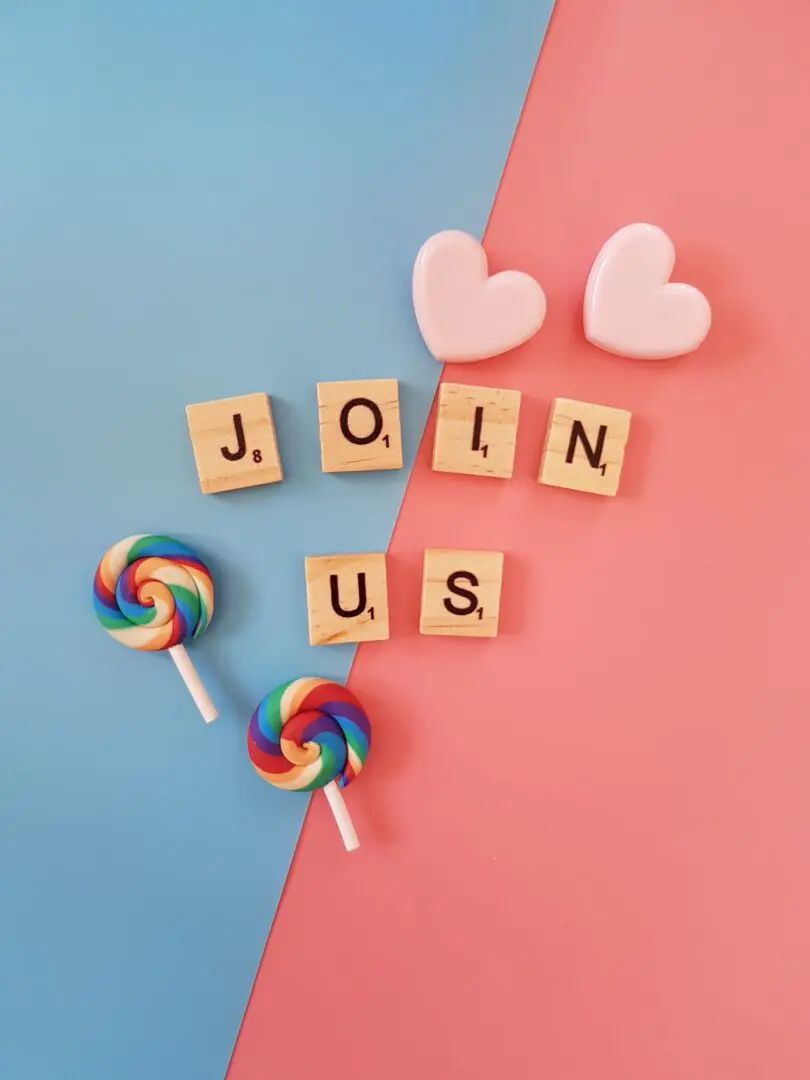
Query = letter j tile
x=234 y=443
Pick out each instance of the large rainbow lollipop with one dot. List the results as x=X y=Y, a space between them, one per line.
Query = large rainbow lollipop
x=153 y=593
x=311 y=733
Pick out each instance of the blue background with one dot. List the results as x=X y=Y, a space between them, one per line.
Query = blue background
x=197 y=200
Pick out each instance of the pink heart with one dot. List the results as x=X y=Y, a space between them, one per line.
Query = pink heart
x=632 y=308
x=463 y=314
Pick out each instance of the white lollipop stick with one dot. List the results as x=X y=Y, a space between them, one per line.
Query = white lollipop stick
x=188 y=673
x=342 y=817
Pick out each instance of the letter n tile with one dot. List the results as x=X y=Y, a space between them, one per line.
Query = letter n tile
x=585 y=446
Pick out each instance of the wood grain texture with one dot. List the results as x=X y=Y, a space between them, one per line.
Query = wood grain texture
x=234 y=443
x=461 y=593
x=347 y=598
x=585 y=446
x=359 y=425
x=476 y=430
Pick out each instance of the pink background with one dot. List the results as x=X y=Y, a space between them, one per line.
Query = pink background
x=585 y=843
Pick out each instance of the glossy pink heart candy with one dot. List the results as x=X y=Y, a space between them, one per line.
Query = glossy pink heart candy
x=632 y=308
x=462 y=312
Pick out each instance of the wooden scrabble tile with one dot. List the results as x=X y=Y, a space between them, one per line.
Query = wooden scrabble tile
x=234 y=443
x=461 y=592
x=359 y=425
x=476 y=430
x=347 y=598
x=584 y=446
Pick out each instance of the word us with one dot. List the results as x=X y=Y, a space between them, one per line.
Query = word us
x=235 y=446
x=347 y=595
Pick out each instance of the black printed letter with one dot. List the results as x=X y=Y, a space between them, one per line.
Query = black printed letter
x=373 y=408
x=470 y=597
x=362 y=597
x=478 y=423
x=593 y=454
x=241 y=448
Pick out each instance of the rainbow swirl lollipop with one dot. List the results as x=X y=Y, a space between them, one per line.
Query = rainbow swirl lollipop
x=311 y=733
x=153 y=593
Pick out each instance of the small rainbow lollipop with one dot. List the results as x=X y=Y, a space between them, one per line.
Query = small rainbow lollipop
x=311 y=733
x=153 y=593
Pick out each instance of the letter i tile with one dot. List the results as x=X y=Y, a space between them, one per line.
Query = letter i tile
x=234 y=443
x=347 y=598
x=476 y=430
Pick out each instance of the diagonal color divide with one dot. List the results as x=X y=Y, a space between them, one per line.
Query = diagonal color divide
x=202 y=201
x=586 y=841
